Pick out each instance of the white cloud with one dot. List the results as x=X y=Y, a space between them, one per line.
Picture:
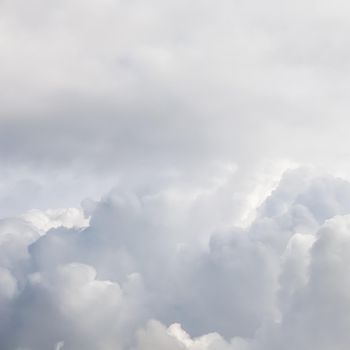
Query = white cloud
x=53 y=218
x=191 y=111
x=281 y=281
x=156 y=336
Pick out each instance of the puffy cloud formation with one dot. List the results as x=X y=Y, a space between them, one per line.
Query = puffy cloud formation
x=48 y=219
x=138 y=279
x=191 y=111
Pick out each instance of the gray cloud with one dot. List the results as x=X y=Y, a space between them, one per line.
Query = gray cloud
x=119 y=85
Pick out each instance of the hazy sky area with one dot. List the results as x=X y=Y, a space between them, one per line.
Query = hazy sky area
x=174 y=175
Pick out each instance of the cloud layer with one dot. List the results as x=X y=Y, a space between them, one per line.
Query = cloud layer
x=95 y=89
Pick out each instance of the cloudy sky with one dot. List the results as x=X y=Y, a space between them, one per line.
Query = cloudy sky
x=174 y=175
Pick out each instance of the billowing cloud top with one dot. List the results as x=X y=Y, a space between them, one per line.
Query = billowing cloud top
x=174 y=175
x=148 y=261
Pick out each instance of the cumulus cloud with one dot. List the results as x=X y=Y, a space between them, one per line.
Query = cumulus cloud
x=132 y=281
x=53 y=218
x=157 y=336
x=160 y=133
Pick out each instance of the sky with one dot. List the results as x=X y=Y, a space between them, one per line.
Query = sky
x=174 y=175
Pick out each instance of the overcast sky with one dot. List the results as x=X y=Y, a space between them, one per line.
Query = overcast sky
x=174 y=175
